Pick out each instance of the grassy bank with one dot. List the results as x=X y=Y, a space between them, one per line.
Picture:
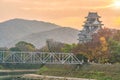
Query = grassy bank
x=20 y=66
x=92 y=71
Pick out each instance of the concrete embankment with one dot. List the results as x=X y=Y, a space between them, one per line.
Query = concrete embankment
x=44 y=77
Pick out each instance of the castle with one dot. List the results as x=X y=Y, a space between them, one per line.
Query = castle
x=91 y=26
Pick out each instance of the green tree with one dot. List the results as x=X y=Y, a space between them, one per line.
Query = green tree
x=68 y=48
x=114 y=49
x=23 y=46
x=14 y=49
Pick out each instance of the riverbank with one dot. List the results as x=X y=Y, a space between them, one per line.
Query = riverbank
x=15 y=74
x=23 y=70
x=20 y=66
x=90 y=71
x=44 y=77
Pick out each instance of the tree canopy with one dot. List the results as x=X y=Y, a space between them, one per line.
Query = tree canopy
x=23 y=46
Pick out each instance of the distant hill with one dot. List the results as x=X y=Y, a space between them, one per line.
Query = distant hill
x=33 y=31
x=63 y=34
x=17 y=28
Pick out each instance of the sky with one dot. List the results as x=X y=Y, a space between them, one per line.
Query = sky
x=69 y=13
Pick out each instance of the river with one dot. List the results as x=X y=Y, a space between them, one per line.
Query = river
x=14 y=74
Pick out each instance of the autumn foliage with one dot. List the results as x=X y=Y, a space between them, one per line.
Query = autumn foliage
x=99 y=49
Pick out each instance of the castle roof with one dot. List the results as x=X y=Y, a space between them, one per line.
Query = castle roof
x=93 y=15
x=96 y=22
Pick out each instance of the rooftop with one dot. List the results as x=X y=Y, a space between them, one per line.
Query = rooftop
x=92 y=15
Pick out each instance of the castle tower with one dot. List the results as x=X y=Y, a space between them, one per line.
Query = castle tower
x=91 y=26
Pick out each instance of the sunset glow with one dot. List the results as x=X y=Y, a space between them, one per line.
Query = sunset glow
x=62 y=12
x=116 y=4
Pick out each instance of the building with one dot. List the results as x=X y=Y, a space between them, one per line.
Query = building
x=91 y=26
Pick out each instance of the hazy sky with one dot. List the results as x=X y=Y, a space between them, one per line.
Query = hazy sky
x=62 y=12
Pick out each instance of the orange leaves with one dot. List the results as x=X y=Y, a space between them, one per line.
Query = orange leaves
x=104 y=45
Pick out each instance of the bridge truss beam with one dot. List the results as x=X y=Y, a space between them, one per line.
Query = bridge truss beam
x=38 y=58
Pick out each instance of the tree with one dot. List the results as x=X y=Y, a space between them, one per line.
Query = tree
x=3 y=49
x=104 y=47
x=103 y=53
x=53 y=46
x=14 y=49
x=104 y=32
x=116 y=36
x=96 y=50
x=85 y=50
x=23 y=46
x=114 y=49
x=68 y=48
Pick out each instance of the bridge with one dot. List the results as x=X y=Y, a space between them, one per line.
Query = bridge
x=38 y=57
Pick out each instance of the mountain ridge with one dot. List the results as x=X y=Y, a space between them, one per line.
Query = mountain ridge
x=63 y=34
x=14 y=30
